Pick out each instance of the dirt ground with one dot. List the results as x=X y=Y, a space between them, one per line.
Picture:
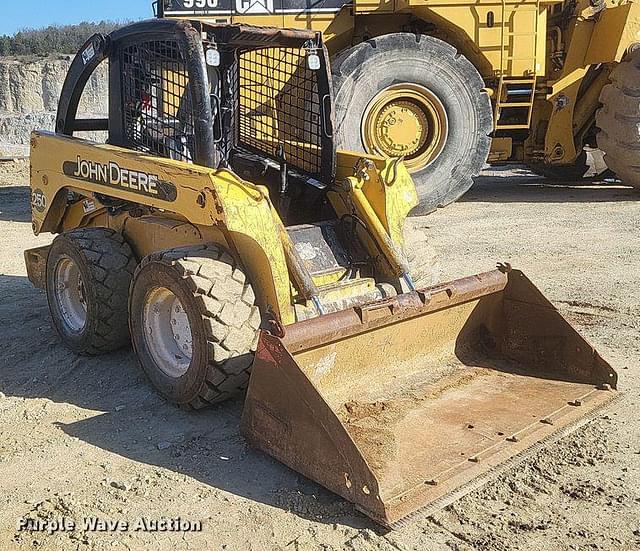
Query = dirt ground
x=87 y=437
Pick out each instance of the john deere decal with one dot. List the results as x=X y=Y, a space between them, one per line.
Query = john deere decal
x=113 y=175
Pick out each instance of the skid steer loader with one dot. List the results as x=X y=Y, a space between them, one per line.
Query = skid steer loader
x=222 y=233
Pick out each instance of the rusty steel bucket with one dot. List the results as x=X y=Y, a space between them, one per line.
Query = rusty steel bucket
x=406 y=404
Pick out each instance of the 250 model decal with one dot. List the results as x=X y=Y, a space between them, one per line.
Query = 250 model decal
x=38 y=200
x=113 y=175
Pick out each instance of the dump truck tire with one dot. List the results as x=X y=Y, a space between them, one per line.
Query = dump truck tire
x=619 y=120
x=405 y=71
x=206 y=288
x=88 y=274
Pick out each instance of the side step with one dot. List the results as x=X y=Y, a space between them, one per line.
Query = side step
x=329 y=263
x=320 y=249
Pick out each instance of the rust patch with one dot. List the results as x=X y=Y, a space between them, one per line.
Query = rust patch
x=373 y=425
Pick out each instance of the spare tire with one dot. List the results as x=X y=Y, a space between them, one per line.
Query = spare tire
x=414 y=96
x=619 y=120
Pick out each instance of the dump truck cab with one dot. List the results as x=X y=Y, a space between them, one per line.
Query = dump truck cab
x=221 y=232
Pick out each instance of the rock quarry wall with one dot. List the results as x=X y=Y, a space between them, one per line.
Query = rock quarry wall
x=29 y=92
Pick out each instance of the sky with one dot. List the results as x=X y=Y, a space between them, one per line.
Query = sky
x=18 y=14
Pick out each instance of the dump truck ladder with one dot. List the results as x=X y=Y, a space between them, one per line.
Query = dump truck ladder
x=516 y=93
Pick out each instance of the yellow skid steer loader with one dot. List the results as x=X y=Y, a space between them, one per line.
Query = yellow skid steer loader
x=219 y=230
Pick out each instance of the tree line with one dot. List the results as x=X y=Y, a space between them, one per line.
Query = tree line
x=65 y=39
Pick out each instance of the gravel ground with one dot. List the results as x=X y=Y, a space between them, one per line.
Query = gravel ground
x=87 y=437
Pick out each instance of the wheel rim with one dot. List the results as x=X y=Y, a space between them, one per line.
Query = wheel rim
x=406 y=120
x=167 y=332
x=70 y=294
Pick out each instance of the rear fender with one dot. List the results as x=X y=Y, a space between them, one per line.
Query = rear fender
x=48 y=207
x=202 y=196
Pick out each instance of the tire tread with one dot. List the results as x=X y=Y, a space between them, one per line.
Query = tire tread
x=444 y=185
x=112 y=265
x=208 y=270
x=618 y=120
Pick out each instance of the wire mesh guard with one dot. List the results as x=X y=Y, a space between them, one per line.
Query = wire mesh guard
x=157 y=103
x=279 y=106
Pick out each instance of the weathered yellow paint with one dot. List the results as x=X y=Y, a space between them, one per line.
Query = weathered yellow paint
x=381 y=193
x=514 y=46
x=467 y=19
x=149 y=233
x=616 y=28
x=206 y=198
x=587 y=40
x=488 y=47
x=501 y=149
x=389 y=188
x=406 y=120
x=215 y=206
x=347 y=289
x=328 y=278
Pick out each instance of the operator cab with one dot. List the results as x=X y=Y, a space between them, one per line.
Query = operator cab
x=254 y=100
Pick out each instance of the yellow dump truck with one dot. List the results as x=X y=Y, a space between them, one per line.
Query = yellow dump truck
x=451 y=84
x=221 y=232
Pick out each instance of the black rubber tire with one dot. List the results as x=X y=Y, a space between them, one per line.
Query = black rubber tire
x=619 y=120
x=106 y=264
x=364 y=70
x=220 y=305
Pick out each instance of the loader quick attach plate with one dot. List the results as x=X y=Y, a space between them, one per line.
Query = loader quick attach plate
x=404 y=405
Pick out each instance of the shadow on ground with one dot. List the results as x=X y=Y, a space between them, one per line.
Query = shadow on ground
x=15 y=203
x=138 y=424
x=134 y=422
x=519 y=185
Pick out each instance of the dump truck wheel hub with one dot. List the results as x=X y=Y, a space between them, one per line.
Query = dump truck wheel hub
x=405 y=120
x=70 y=294
x=167 y=332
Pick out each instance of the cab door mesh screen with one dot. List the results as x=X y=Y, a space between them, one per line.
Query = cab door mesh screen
x=279 y=105
x=157 y=104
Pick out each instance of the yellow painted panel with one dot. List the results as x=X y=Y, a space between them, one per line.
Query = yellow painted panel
x=374 y=6
x=200 y=195
x=616 y=28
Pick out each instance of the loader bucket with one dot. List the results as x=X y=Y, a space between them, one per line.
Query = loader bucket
x=409 y=403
